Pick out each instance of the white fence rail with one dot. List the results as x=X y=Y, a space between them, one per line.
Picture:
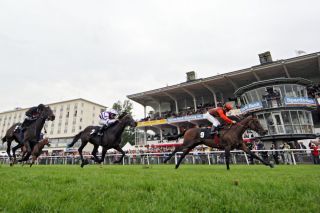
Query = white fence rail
x=292 y=156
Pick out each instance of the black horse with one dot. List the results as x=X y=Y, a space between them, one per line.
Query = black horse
x=31 y=135
x=111 y=139
x=13 y=134
x=230 y=138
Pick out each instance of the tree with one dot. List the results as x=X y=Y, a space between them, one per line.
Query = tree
x=128 y=134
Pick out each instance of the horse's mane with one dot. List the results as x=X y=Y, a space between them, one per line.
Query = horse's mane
x=122 y=115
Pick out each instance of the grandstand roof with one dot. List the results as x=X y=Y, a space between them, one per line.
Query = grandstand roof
x=306 y=66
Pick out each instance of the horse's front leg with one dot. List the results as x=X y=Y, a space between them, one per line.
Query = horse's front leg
x=118 y=148
x=252 y=154
x=29 y=150
x=227 y=156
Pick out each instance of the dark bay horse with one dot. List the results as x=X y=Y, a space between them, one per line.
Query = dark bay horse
x=13 y=135
x=111 y=139
x=32 y=133
x=230 y=138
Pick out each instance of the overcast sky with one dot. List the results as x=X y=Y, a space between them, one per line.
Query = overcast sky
x=103 y=50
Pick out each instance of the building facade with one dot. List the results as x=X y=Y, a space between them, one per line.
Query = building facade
x=72 y=116
x=184 y=104
x=282 y=106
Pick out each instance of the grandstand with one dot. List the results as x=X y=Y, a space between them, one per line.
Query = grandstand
x=183 y=105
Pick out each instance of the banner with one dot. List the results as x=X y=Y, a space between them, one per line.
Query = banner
x=300 y=101
x=185 y=118
x=152 y=123
x=251 y=107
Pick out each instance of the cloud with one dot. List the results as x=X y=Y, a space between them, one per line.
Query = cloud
x=104 y=50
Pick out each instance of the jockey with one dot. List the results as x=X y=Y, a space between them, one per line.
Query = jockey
x=107 y=118
x=212 y=114
x=31 y=115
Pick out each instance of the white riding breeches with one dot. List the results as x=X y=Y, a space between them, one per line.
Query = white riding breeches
x=212 y=119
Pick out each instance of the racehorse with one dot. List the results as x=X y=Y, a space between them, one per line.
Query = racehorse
x=37 y=150
x=111 y=138
x=230 y=138
x=31 y=135
x=13 y=135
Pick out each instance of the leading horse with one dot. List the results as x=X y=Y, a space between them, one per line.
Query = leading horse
x=230 y=138
x=111 y=138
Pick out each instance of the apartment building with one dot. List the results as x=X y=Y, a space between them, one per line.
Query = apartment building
x=72 y=116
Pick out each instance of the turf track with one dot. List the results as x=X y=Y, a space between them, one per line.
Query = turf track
x=191 y=188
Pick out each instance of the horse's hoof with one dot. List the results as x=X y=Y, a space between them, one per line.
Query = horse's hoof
x=11 y=164
x=271 y=165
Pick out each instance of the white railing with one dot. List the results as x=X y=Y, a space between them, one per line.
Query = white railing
x=292 y=156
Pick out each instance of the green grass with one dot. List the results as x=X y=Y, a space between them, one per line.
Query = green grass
x=191 y=188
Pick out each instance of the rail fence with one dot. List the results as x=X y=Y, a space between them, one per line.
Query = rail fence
x=292 y=156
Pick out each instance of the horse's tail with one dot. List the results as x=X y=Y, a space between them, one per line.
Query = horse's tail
x=4 y=139
x=75 y=139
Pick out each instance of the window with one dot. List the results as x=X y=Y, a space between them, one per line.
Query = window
x=67 y=115
x=295 y=118
x=287 y=122
x=75 y=113
x=288 y=89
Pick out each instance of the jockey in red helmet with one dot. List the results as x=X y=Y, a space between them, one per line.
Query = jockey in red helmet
x=213 y=113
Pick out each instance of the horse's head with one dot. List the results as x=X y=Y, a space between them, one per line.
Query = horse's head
x=46 y=142
x=255 y=125
x=129 y=120
x=47 y=113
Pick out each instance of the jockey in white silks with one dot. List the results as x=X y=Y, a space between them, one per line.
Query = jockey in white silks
x=107 y=118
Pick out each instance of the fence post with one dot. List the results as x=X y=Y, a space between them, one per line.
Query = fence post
x=293 y=159
x=246 y=157
x=148 y=159
x=209 y=158
x=175 y=159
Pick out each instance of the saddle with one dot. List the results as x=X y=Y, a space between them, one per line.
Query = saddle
x=205 y=134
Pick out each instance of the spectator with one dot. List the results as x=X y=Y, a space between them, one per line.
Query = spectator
x=286 y=153
x=315 y=153
x=275 y=154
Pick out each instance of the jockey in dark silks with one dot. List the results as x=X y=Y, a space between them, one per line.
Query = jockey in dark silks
x=31 y=115
x=219 y=112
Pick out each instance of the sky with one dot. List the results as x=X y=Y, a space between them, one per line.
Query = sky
x=103 y=50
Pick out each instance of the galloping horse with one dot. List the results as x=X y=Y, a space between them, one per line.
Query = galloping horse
x=32 y=133
x=111 y=139
x=37 y=149
x=230 y=138
x=13 y=135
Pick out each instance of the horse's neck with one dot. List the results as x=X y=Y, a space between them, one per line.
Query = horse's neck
x=118 y=128
x=39 y=124
x=41 y=145
x=243 y=126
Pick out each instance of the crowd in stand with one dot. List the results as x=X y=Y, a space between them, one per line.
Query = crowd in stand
x=201 y=109
x=314 y=91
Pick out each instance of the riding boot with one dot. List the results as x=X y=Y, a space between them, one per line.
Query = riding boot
x=213 y=130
